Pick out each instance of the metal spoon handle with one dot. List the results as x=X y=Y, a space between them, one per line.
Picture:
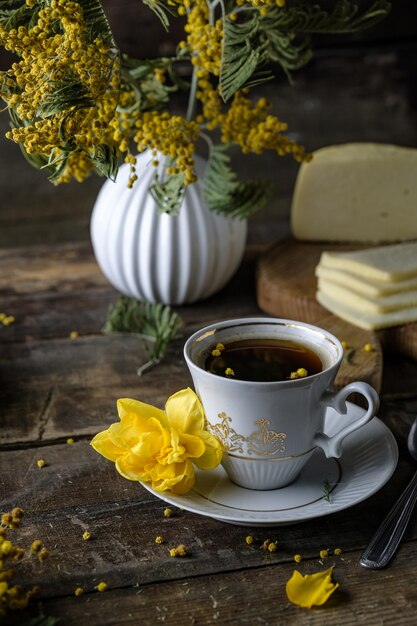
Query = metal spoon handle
x=385 y=542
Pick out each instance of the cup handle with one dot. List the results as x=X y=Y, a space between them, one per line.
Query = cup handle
x=332 y=446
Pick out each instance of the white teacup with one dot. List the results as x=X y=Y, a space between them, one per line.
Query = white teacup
x=269 y=430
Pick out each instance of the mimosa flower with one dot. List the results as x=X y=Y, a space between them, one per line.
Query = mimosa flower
x=160 y=447
x=311 y=589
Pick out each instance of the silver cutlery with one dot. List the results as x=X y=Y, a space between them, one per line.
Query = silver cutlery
x=384 y=543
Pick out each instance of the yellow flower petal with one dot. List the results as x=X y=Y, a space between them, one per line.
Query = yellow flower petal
x=128 y=432
x=103 y=444
x=193 y=444
x=149 y=446
x=132 y=471
x=212 y=454
x=178 y=478
x=127 y=406
x=185 y=412
x=311 y=589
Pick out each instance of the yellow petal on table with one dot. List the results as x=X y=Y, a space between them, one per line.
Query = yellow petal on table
x=212 y=454
x=311 y=589
x=128 y=406
x=185 y=412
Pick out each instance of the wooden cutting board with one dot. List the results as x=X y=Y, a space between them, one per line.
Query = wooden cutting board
x=286 y=287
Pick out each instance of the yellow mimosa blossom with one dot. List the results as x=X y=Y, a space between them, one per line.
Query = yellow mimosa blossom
x=6 y=547
x=14 y=596
x=180 y=550
x=79 y=104
x=172 y=135
x=37 y=545
x=57 y=49
x=300 y=373
x=263 y=4
x=43 y=554
x=8 y=319
x=246 y=123
x=204 y=40
x=255 y=130
x=311 y=589
x=160 y=447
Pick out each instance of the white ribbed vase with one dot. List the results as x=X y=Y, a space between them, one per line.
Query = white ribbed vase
x=159 y=257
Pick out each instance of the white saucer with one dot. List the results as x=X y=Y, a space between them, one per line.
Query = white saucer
x=369 y=458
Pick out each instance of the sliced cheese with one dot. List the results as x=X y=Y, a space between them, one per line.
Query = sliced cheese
x=367 y=320
x=363 y=304
x=365 y=286
x=384 y=263
x=362 y=192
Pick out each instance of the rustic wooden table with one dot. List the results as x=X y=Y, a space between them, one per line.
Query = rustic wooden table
x=54 y=387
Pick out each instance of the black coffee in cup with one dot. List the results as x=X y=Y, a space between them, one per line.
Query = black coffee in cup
x=263 y=360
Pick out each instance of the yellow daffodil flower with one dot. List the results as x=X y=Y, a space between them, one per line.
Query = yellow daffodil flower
x=160 y=447
x=311 y=589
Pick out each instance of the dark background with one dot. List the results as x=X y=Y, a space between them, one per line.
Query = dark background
x=359 y=87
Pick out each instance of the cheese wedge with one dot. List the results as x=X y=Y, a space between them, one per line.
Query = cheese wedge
x=363 y=304
x=384 y=263
x=359 y=192
x=365 y=286
x=367 y=320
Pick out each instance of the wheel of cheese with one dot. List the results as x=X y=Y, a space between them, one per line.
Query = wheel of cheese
x=357 y=192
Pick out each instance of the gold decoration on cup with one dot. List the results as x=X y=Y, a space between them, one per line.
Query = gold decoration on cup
x=261 y=442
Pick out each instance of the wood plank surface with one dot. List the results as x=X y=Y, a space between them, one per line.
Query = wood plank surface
x=78 y=490
x=55 y=387
x=55 y=289
x=52 y=388
x=71 y=388
x=251 y=597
